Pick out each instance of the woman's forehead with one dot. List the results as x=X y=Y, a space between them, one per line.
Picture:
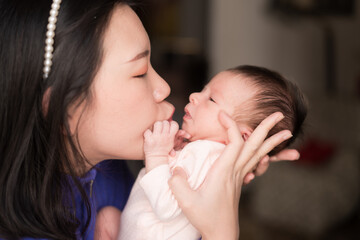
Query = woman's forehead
x=125 y=35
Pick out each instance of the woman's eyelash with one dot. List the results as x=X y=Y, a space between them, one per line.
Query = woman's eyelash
x=140 y=76
x=211 y=99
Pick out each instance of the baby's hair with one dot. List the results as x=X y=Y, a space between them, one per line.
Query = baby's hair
x=273 y=93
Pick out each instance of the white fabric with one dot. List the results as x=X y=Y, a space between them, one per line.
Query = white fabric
x=152 y=211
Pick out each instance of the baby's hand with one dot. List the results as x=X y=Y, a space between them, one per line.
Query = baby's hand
x=159 y=143
x=181 y=139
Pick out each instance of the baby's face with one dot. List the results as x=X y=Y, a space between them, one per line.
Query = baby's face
x=226 y=91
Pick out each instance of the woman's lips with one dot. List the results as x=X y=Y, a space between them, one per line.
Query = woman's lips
x=171 y=116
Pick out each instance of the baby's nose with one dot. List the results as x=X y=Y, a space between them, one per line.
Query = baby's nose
x=193 y=98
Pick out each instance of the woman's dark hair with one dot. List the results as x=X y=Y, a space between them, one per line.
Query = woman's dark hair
x=36 y=145
x=274 y=93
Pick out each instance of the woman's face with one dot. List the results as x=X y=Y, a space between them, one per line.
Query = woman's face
x=127 y=94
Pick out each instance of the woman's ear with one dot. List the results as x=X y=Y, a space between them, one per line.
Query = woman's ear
x=245 y=131
x=45 y=101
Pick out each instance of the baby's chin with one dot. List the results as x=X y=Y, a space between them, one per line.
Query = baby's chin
x=186 y=129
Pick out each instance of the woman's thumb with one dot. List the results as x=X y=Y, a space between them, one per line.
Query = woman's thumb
x=180 y=188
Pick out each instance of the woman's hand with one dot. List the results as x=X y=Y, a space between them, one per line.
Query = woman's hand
x=213 y=208
x=263 y=165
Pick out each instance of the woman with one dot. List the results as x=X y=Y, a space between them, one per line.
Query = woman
x=91 y=98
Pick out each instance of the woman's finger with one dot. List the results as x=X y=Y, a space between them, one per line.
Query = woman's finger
x=260 y=169
x=262 y=130
x=256 y=140
x=234 y=136
x=262 y=166
x=286 y=154
x=231 y=152
x=248 y=178
x=181 y=188
x=266 y=147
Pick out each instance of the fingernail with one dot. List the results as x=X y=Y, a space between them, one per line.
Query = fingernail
x=287 y=135
x=279 y=117
x=176 y=170
x=179 y=171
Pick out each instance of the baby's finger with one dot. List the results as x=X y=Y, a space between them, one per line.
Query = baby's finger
x=174 y=127
x=157 y=127
x=286 y=154
x=147 y=133
x=166 y=127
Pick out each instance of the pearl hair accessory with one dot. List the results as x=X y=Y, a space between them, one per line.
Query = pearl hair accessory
x=50 y=34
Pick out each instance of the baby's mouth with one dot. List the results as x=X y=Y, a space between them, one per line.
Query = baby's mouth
x=187 y=114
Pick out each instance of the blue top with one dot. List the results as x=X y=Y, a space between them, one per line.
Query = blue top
x=110 y=184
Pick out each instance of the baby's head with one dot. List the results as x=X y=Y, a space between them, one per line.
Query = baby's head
x=249 y=94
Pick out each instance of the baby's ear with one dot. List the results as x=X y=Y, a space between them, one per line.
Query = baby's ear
x=245 y=131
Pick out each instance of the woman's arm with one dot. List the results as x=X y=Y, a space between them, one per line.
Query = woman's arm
x=213 y=208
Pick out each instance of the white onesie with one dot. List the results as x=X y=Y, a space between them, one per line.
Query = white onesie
x=152 y=213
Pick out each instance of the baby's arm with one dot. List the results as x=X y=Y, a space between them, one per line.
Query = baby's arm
x=157 y=191
x=159 y=143
x=196 y=159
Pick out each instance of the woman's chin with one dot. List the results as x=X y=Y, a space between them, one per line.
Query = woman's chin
x=136 y=157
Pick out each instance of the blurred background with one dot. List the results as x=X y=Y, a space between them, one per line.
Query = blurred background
x=315 y=43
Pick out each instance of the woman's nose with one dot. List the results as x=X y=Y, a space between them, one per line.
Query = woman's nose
x=161 y=89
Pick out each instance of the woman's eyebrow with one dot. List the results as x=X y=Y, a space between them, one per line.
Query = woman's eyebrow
x=140 y=55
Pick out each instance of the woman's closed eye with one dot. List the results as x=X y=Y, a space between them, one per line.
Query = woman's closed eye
x=140 y=76
x=212 y=100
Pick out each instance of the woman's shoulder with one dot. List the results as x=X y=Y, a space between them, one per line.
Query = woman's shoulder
x=112 y=184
